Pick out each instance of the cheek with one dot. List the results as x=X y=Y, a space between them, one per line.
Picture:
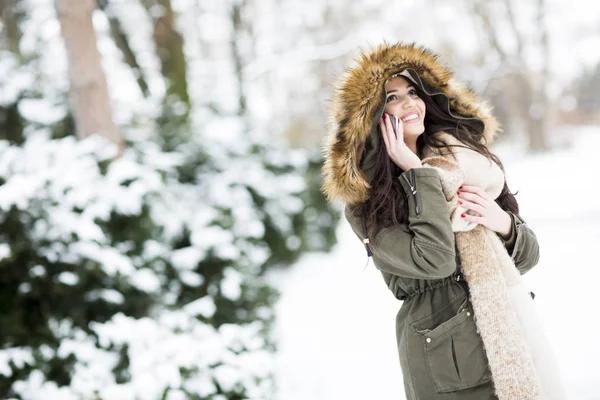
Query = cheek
x=421 y=106
x=391 y=109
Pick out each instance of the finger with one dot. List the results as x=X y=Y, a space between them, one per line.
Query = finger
x=474 y=189
x=472 y=218
x=473 y=206
x=472 y=197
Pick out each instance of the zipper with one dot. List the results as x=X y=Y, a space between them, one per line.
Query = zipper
x=413 y=175
x=413 y=189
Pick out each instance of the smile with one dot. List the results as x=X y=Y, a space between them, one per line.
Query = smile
x=412 y=117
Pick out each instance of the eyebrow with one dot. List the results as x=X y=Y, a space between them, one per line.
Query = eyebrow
x=409 y=85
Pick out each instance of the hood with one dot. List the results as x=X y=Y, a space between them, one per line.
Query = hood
x=358 y=102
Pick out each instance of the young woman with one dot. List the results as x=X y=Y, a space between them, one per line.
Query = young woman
x=398 y=208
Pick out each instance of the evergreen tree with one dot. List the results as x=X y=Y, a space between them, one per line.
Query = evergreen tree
x=140 y=276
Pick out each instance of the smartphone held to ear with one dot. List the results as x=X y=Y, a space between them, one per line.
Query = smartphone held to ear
x=395 y=121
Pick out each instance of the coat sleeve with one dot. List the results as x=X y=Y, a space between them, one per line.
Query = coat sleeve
x=522 y=245
x=425 y=248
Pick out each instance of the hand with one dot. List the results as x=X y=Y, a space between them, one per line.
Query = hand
x=398 y=151
x=484 y=211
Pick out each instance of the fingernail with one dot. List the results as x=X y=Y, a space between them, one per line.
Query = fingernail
x=460 y=187
x=460 y=202
x=384 y=115
x=462 y=215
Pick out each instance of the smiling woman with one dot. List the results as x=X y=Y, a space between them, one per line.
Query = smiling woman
x=403 y=101
x=415 y=193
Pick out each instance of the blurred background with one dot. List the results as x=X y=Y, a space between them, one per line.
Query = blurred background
x=163 y=234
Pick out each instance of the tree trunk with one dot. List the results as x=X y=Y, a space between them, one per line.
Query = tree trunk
x=89 y=92
x=169 y=48
x=532 y=101
x=11 y=15
x=169 y=42
x=236 y=20
x=532 y=109
x=538 y=136
x=536 y=128
x=122 y=42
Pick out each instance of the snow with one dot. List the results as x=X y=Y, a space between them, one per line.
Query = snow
x=108 y=295
x=59 y=187
x=185 y=343
x=336 y=321
x=191 y=278
x=37 y=271
x=146 y=280
x=5 y=251
x=204 y=306
x=187 y=258
x=67 y=192
x=42 y=111
x=18 y=356
x=68 y=278
x=231 y=284
x=36 y=387
x=20 y=80
x=335 y=328
x=335 y=318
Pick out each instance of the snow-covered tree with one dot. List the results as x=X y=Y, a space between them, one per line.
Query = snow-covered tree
x=140 y=276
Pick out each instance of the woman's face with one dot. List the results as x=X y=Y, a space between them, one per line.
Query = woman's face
x=402 y=100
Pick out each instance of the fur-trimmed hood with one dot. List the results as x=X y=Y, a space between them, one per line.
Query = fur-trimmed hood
x=358 y=102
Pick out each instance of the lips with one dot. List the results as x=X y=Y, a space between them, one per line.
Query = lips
x=410 y=117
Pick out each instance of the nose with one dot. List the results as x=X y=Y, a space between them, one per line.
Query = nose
x=408 y=102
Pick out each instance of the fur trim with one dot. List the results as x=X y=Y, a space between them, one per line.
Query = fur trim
x=358 y=101
x=538 y=344
x=451 y=162
x=519 y=354
x=512 y=366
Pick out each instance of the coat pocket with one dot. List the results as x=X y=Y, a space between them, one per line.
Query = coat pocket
x=454 y=352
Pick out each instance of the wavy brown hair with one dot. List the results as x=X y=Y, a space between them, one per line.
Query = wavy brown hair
x=387 y=203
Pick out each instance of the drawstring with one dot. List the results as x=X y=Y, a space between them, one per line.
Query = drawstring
x=366 y=239
x=369 y=253
x=366 y=243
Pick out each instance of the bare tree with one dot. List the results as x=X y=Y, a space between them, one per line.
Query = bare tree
x=526 y=89
x=538 y=138
x=122 y=42
x=238 y=28
x=169 y=48
x=89 y=92
x=11 y=14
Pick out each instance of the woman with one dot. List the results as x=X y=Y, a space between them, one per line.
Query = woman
x=398 y=208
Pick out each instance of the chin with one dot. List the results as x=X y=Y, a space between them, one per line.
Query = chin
x=416 y=131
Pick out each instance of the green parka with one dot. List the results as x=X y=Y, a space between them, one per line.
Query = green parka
x=441 y=354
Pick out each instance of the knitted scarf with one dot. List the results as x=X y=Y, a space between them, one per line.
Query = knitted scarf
x=519 y=354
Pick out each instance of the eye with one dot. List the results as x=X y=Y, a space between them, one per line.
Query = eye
x=390 y=98
x=412 y=92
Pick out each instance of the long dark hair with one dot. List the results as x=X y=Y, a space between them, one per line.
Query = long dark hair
x=387 y=205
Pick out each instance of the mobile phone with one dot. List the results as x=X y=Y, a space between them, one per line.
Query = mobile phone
x=395 y=122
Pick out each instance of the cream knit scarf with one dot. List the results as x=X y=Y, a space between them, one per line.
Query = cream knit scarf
x=519 y=355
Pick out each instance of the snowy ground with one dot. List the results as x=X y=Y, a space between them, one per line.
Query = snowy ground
x=336 y=320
